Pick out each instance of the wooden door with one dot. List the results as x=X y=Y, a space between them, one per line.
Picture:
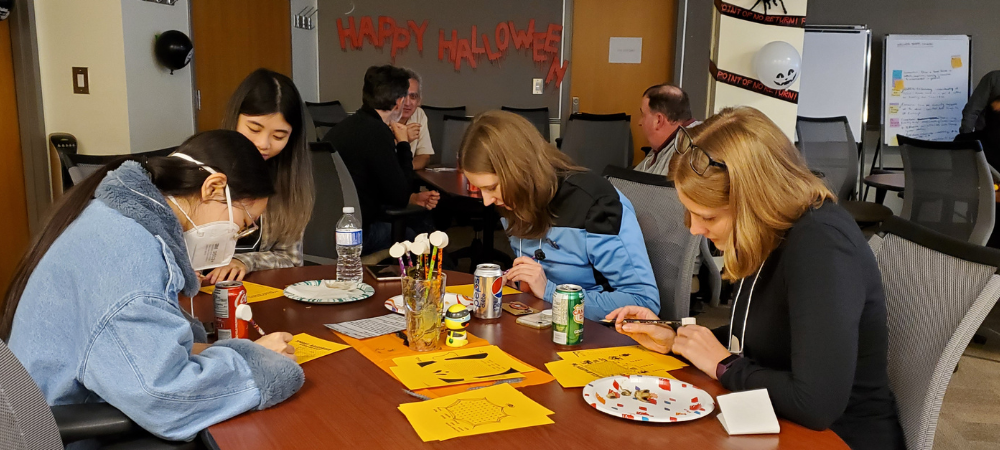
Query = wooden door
x=605 y=88
x=232 y=39
x=14 y=233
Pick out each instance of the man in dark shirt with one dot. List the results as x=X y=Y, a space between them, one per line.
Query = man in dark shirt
x=987 y=90
x=376 y=150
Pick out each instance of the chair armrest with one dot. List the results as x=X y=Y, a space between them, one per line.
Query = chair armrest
x=398 y=218
x=91 y=420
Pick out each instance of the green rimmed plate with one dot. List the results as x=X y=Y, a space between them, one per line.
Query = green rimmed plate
x=316 y=291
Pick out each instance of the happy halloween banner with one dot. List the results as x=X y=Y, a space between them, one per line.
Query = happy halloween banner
x=728 y=9
x=542 y=46
x=751 y=84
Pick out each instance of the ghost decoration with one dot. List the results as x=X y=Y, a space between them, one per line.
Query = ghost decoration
x=777 y=64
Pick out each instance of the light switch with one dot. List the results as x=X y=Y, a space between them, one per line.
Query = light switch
x=536 y=86
x=81 y=81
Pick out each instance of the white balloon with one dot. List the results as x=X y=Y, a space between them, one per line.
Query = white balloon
x=777 y=64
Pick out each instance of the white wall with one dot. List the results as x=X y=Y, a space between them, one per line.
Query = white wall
x=73 y=33
x=160 y=105
x=305 y=54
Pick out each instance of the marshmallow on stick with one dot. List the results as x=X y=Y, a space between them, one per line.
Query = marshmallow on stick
x=439 y=239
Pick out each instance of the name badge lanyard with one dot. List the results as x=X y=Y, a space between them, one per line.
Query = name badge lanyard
x=736 y=345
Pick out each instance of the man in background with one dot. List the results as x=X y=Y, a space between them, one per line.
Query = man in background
x=376 y=150
x=664 y=109
x=987 y=89
x=416 y=122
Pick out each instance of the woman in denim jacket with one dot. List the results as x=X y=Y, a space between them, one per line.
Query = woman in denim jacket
x=93 y=311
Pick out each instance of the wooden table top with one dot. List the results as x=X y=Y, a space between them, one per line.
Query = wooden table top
x=450 y=181
x=348 y=402
x=888 y=181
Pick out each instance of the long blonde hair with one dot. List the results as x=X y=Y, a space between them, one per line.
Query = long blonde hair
x=529 y=169
x=766 y=183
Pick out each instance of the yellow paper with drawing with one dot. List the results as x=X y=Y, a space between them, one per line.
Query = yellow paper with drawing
x=308 y=348
x=487 y=410
x=255 y=292
x=466 y=290
x=578 y=368
x=451 y=367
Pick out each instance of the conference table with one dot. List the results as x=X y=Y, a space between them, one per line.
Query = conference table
x=453 y=183
x=349 y=402
x=882 y=182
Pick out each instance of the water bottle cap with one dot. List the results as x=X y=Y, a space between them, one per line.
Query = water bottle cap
x=348 y=210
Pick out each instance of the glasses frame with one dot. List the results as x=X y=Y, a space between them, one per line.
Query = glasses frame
x=251 y=229
x=691 y=147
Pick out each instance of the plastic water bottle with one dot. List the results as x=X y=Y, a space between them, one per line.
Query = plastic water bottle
x=349 y=247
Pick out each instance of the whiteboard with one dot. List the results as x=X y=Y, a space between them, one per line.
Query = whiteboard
x=835 y=62
x=925 y=85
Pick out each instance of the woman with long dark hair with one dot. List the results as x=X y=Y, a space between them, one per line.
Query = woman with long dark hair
x=267 y=109
x=566 y=225
x=93 y=311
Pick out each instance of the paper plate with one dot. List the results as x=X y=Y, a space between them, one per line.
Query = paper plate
x=316 y=291
x=648 y=399
x=395 y=304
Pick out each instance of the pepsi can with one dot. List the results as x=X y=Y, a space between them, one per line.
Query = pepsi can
x=487 y=291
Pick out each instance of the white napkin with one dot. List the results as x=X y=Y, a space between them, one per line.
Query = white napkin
x=748 y=412
x=323 y=292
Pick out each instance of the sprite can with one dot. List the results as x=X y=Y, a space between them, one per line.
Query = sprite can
x=567 y=315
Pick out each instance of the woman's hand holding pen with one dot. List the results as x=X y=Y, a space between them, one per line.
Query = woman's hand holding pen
x=530 y=273
x=657 y=338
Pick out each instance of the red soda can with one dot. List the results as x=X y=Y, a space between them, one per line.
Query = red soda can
x=231 y=310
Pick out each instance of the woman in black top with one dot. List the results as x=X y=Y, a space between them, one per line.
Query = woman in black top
x=809 y=319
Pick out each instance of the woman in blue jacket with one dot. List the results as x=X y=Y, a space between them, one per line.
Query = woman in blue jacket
x=93 y=310
x=566 y=225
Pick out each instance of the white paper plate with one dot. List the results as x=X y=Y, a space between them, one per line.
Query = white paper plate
x=648 y=399
x=316 y=291
x=395 y=304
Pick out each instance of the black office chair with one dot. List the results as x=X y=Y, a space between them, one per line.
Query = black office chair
x=79 y=167
x=435 y=126
x=28 y=422
x=949 y=188
x=596 y=141
x=539 y=117
x=325 y=116
x=451 y=139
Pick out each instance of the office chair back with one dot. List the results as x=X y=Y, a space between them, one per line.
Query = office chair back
x=596 y=141
x=828 y=146
x=326 y=115
x=334 y=190
x=949 y=188
x=80 y=166
x=539 y=117
x=671 y=246
x=452 y=134
x=26 y=422
x=938 y=290
x=435 y=126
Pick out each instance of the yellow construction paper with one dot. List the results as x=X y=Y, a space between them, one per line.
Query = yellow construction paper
x=466 y=290
x=255 y=292
x=487 y=410
x=893 y=141
x=308 y=348
x=897 y=84
x=461 y=366
x=578 y=368
x=956 y=62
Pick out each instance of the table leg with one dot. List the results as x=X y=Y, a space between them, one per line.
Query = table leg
x=879 y=196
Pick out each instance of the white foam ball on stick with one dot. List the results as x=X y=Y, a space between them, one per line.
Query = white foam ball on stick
x=397 y=250
x=406 y=245
x=420 y=237
x=439 y=239
x=420 y=248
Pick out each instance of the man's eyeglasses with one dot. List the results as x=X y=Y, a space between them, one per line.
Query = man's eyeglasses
x=413 y=96
x=699 y=160
x=250 y=229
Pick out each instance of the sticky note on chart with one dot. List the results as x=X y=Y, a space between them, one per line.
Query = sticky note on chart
x=893 y=123
x=956 y=62
x=893 y=141
x=897 y=74
x=897 y=85
x=893 y=108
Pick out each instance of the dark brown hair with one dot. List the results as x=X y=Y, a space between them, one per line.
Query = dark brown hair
x=529 y=169
x=669 y=100
x=227 y=152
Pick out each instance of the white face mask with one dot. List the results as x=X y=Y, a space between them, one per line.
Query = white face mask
x=213 y=244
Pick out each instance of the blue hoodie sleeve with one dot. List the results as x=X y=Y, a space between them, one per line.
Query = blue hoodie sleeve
x=140 y=362
x=623 y=260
